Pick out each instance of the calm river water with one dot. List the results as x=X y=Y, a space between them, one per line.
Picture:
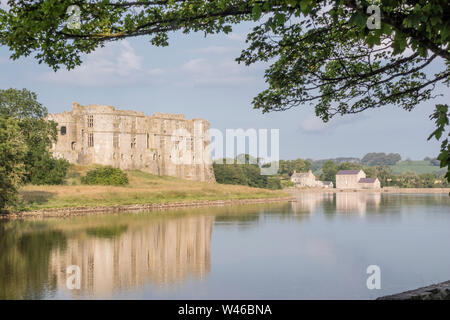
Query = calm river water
x=318 y=247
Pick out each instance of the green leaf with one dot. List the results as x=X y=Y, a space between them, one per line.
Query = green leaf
x=256 y=12
x=359 y=19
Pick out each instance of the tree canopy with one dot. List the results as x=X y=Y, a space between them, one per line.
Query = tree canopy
x=25 y=141
x=37 y=133
x=321 y=52
x=380 y=158
x=12 y=153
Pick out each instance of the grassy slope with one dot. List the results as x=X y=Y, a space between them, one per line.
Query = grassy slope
x=418 y=167
x=143 y=188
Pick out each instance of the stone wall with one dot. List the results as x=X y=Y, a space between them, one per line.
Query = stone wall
x=162 y=144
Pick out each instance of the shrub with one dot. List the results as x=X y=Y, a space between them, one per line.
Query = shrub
x=244 y=174
x=105 y=176
x=49 y=171
x=287 y=183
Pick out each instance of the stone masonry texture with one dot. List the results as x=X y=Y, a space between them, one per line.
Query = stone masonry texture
x=161 y=144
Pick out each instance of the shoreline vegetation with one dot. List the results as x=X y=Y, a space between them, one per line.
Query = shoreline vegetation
x=144 y=191
x=150 y=192
x=75 y=211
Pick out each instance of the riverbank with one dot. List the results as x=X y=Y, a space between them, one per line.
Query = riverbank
x=382 y=190
x=144 y=192
x=77 y=211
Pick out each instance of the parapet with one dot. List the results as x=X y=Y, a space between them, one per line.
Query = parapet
x=168 y=116
x=96 y=108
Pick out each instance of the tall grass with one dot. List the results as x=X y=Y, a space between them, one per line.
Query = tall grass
x=143 y=188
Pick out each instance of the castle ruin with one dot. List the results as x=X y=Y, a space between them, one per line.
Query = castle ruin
x=161 y=144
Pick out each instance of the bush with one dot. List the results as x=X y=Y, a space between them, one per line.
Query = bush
x=244 y=174
x=287 y=183
x=105 y=176
x=49 y=171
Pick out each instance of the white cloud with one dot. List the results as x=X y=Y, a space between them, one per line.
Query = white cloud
x=4 y=5
x=118 y=64
x=237 y=36
x=213 y=50
x=313 y=124
x=205 y=72
x=115 y=64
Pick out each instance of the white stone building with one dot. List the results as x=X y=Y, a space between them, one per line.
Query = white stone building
x=355 y=179
x=306 y=180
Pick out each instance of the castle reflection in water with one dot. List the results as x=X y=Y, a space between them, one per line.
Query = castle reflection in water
x=160 y=253
x=121 y=251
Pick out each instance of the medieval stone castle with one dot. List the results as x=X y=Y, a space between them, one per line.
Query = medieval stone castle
x=161 y=144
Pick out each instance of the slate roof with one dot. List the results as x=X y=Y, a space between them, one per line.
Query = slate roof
x=327 y=182
x=301 y=174
x=347 y=172
x=367 y=180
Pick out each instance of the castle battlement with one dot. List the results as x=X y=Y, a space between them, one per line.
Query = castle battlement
x=132 y=140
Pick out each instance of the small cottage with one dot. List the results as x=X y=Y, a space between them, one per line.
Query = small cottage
x=369 y=183
x=349 y=179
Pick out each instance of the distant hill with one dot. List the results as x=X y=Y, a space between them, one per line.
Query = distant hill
x=316 y=165
x=417 y=166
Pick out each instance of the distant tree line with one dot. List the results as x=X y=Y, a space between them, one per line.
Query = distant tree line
x=380 y=158
x=287 y=167
x=386 y=175
x=25 y=141
x=432 y=161
x=247 y=173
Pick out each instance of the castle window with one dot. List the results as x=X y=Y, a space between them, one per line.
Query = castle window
x=115 y=140
x=154 y=156
x=148 y=141
x=73 y=145
x=90 y=121
x=63 y=130
x=90 y=140
x=188 y=144
x=133 y=142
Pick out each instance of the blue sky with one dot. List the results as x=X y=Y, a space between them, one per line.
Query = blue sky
x=198 y=76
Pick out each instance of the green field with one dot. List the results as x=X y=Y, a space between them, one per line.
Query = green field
x=144 y=188
x=417 y=166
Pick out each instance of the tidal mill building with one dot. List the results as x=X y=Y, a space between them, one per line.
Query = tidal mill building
x=161 y=144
